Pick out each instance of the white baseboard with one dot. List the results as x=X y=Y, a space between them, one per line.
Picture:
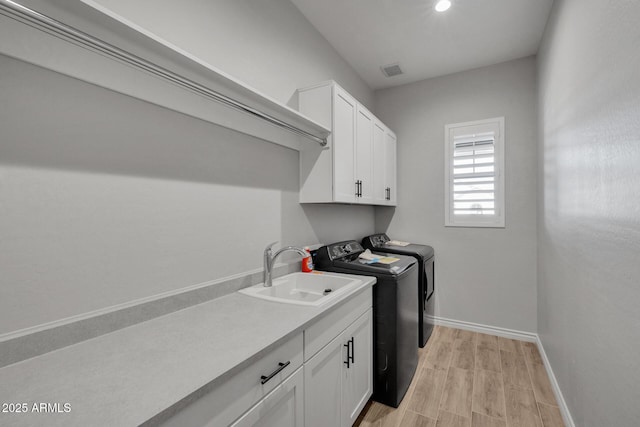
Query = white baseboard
x=486 y=329
x=518 y=335
x=562 y=404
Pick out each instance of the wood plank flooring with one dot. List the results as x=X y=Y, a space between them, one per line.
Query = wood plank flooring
x=468 y=379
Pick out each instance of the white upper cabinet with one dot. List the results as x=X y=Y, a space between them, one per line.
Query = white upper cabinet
x=379 y=163
x=390 y=147
x=344 y=133
x=353 y=167
x=364 y=155
x=384 y=161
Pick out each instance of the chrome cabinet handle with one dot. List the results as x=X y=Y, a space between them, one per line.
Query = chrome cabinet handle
x=281 y=366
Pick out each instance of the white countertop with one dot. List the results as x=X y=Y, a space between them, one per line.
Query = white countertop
x=126 y=377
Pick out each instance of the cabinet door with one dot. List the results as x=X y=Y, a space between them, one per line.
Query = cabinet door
x=344 y=128
x=231 y=398
x=283 y=407
x=379 y=165
x=390 y=168
x=323 y=386
x=364 y=155
x=358 y=377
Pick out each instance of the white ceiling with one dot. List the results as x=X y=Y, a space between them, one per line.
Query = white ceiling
x=471 y=34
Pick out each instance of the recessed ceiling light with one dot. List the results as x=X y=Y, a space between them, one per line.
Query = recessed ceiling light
x=443 y=5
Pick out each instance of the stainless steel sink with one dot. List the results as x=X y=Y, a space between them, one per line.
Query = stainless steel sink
x=303 y=288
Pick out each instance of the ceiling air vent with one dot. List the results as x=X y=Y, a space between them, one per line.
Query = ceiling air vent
x=391 y=70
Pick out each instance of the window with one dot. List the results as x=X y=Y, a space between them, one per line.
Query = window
x=474 y=174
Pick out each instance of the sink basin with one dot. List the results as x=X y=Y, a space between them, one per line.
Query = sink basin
x=303 y=288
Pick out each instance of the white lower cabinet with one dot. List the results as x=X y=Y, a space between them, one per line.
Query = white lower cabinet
x=323 y=386
x=225 y=403
x=320 y=377
x=357 y=383
x=338 y=379
x=283 y=407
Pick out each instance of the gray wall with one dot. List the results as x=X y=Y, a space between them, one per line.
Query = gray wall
x=105 y=199
x=589 y=208
x=485 y=276
x=267 y=44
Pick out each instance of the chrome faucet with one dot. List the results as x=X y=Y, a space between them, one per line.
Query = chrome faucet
x=269 y=260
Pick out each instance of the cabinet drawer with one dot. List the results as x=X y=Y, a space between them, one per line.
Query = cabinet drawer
x=334 y=322
x=283 y=407
x=229 y=400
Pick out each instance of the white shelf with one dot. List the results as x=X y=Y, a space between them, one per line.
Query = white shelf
x=127 y=59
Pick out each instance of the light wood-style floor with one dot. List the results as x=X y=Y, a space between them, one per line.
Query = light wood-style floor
x=468 y=379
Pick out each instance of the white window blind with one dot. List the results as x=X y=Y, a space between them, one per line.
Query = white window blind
x=474 y=174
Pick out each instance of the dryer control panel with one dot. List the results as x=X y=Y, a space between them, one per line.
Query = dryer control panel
x=375 y=241
x=378 y=240
x=344 y=249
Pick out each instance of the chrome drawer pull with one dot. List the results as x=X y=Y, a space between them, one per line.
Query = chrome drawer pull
x=280 y=367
